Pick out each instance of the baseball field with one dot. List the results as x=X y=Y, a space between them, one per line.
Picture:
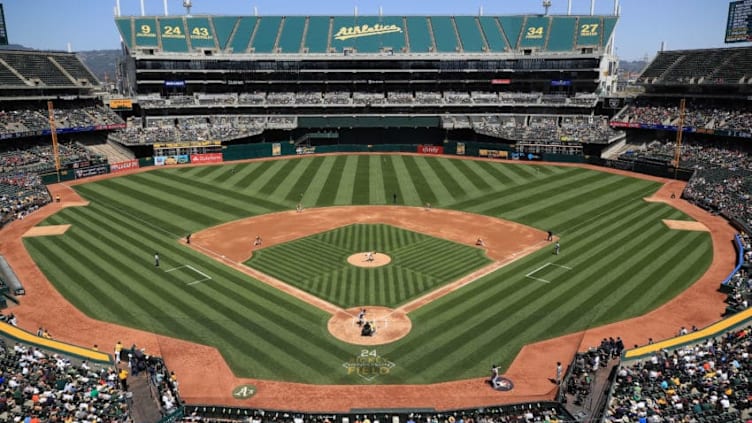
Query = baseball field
x=618 y=259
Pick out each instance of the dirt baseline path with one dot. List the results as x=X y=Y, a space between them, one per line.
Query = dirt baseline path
x=206 y=379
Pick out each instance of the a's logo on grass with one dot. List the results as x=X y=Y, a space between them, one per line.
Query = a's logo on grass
x=243 y=391
x=368 y=365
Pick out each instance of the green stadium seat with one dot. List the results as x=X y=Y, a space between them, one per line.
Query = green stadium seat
x=126 y=30
x=291 y=38
x=512 y=27
x=444 y=33
x=562 y=35
x=470 y=34
x=417 y=31
x=266 y=34
x=239 y=42
x=224 y=26
x=493 y=34
x=317 y=36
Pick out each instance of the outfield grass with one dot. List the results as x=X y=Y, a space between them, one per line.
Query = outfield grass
x=622 y=260
x=318 y=264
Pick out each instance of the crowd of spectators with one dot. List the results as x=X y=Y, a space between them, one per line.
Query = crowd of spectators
x=24 y=121
x=547 y=128
x=38 y=386
x=697 y=114
x=190 y=129
x=21 y=188
x=710 y=381
x=723 y=174
x=360 y=98
x=740 y=284
x=529 y=412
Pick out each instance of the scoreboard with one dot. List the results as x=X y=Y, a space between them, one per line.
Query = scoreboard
x=3 y=31
x=739 y=24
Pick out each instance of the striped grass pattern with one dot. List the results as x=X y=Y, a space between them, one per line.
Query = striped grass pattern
x=318 y=264
x=623 y=260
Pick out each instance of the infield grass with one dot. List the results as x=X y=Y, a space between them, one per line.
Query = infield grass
x=318 y=264
x=623 y=260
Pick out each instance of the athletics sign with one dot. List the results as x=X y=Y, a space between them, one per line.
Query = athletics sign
x=365 y=30
x=739 y=23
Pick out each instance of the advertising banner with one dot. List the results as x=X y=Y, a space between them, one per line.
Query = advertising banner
x=123 y=166
x=305 y=150
x=91 y=171
x=171 y=160
x=206 y=158
x=460 y=148
x=276 y=149
x=430 y=149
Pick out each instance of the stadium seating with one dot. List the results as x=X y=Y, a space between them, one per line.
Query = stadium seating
x=239 y=42
x=713 y=66
x=292 y=34
x=493 y=34
x=408 y=34
x=709 y=381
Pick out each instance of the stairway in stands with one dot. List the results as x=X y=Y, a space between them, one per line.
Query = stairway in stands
x=144 y=407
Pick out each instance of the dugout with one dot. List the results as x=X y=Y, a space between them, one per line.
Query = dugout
x=10 y=277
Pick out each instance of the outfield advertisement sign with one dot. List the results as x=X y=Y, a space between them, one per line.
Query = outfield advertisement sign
x=206 y=158
x=171 y=160
x=91 y=171
x=123 y=166
x=430 y=149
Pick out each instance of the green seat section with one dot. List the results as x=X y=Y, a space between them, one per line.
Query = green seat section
x=368 y=34
x=126 y=30
x=417 y=32
x=609 y=22
x=534 y=32
x=242 y=37
x=470 y=36
x=223 y=26
x=317 y=37
x=512 y=25
x=562 y=34
x=200 y=33
x=444 y=34
x=146 y=32
x=266 y=34
x=492 y=31
x=172 y=32
x=292 y=34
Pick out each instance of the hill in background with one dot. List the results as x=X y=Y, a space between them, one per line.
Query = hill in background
x=101 y=62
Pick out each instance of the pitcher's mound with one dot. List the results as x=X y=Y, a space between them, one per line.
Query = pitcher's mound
x=390 y=325
x=363 y=260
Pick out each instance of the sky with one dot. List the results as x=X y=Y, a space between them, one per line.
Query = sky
x=643 y=26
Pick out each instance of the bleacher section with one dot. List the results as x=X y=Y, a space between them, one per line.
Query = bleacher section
x=292 y=33
x=364 y=34
x=420 y=38
x=43 y=69
x=711 y=67
x=492 y=34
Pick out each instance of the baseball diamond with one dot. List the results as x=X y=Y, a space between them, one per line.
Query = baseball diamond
x=335 y=218
x=102 y=263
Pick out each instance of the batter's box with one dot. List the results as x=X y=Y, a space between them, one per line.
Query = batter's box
x=547 y=272
x=189 y=275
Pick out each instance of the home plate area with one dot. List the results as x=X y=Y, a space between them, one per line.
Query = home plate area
x=188 y=274
x=548 y=272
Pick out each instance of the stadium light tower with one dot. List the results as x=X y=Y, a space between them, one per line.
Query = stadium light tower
x=546 y=6
x=187 y=4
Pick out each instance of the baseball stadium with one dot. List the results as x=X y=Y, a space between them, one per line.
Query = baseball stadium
x=340 y=219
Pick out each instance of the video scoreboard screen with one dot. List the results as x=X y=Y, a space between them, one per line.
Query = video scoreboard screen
x=739 y=24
